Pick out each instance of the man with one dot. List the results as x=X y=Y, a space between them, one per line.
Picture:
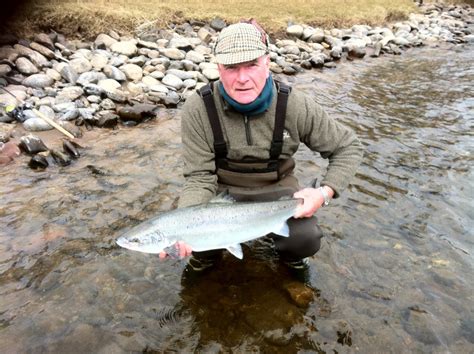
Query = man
x=240 y=134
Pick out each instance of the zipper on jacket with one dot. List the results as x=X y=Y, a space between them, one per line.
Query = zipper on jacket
x=247 y=131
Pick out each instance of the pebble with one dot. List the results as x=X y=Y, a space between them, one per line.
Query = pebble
x=108 y=84
x=172 y=81
x=114 y=73
x=173 y=53
x=80 y=65
x=133 y=72
x=127 y=48
x=36 y=124
x=38 y=81
x=25 y=66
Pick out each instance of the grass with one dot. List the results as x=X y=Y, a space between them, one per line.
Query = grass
x=88 y=18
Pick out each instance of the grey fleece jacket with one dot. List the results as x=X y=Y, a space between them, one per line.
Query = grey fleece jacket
x=306 y=122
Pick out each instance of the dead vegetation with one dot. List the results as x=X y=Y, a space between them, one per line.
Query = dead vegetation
x=87 y=18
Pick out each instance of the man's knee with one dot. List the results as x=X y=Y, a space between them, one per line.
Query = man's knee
x=304 y=240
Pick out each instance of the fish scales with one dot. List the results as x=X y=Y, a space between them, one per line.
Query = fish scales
x=218 y=224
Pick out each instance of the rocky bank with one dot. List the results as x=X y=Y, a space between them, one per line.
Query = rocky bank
x=124 y=80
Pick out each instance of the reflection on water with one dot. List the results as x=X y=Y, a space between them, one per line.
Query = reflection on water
x=394 y=272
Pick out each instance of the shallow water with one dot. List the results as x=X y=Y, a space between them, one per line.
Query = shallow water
x=394 y=273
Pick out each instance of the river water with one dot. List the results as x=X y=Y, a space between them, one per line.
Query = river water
x=395 y=272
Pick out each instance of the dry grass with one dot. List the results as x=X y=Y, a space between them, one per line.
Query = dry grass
x=90 y=17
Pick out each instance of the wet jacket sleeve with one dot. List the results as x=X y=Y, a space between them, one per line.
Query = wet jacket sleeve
x=333 y=140
x=198 y=156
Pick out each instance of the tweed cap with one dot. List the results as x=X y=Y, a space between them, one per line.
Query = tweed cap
x=239 y=43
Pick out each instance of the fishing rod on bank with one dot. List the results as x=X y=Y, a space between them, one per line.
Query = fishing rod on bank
x=17 y=113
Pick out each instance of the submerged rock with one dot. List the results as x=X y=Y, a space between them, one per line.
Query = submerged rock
x=301 y=294
x=61 y=158
x=71 y=149
x=31 y=144
x=108 y=120
x=137 y=113
x=38 y=162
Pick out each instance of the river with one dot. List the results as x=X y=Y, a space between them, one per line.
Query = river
x=394 y=274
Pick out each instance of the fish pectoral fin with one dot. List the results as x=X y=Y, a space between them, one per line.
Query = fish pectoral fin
x=223 y=197
x=236 y=250
x=282 y=230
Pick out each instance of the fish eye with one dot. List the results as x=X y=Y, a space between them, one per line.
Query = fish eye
x=135 y=240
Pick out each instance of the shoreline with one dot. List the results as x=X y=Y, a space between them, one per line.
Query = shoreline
x=125 y=80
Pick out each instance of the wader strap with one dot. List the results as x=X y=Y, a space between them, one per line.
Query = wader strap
x=220 y=146
x=280 y=115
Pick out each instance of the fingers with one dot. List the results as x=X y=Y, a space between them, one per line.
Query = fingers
x=183 y=250
x=311 y=202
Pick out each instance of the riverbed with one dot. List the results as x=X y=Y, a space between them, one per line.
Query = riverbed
x=394 y=273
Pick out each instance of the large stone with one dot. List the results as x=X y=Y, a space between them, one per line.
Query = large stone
x=90 y=77
x=38 y=59
x=147 y=44
x=150 y=81
x=104 y=41
x=80 y=65
x=31 y=144
x=43 y=39
x=36 y=124
x=173 y=81
x=5 y=69
x=132 y=72
x=211 y=74
x=22 y=50
x=8 y=53
x=69 y=74
x=72 y=92
x=204 y=35
x=183 y=75
x=38 y=81
x=127 y=48
x=295 y=30
x=114 y=73
x=157 y=74
x=159 y=88
x=173 y=53
x=54 y=74
x=99 y=60
x=25 y=66
x=218 y=24
x=180 y=43
x=48 y=53
x=195 y=57
x=108 y=84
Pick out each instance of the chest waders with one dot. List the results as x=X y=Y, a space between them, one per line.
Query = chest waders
x=263 y=179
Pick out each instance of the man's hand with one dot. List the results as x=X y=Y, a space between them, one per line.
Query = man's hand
x=182 y=250
x=313 y=200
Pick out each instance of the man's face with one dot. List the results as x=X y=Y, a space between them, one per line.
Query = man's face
x=245 y=81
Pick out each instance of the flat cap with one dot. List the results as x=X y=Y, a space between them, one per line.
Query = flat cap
x=239 y=43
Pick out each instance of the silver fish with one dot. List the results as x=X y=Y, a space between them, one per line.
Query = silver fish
x=219 y=224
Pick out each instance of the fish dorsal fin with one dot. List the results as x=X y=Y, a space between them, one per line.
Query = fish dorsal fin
x=282 y=230
x=223 y=197
x=236 y=250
